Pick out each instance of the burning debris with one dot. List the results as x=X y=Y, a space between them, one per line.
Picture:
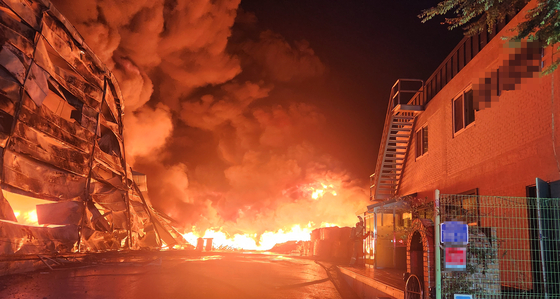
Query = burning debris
x=65 y=182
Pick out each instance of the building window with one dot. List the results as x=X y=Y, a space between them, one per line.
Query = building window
x=463 y=110
x=464 y=207
x=108 y=142
x=421 y=141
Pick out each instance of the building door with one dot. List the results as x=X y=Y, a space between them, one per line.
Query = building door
x=417 y=256
x=544 y=226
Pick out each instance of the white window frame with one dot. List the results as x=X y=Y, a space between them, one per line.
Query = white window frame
x=463 y=112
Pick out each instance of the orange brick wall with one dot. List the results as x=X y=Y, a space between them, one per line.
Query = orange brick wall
x=503 y=151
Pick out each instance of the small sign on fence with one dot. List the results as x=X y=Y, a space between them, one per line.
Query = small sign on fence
x=462 y=296
x=455 y=258
x=454 y=232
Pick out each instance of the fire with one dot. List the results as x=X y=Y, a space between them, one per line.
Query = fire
x=317 y=193
x=28 y=217
x=249 y=241
x=322 y=192
x=24 y=207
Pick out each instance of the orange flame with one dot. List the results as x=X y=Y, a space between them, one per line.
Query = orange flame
x=317 y=193
x=28 y=217
x=249 y=241
x=267 y=240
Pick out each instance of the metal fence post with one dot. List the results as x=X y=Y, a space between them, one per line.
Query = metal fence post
x=436 y=245
x=542 y=192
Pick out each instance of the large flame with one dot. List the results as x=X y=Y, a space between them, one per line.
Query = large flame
x=221 y=239
x=266 y=241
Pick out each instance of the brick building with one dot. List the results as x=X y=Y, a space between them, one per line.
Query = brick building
x=484 y=124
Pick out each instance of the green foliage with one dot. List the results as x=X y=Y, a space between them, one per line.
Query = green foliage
x=543 y=25
x=474 y=15
x=542 y=22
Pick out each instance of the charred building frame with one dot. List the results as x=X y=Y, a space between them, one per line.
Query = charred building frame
x=61 y=143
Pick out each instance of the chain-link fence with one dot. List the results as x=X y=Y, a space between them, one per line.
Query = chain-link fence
x=513 y=248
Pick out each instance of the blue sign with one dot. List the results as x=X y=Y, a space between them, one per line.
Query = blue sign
x=461 y=296
x=455 y=232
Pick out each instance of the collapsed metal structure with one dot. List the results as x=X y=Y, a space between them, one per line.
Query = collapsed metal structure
x=61 y=141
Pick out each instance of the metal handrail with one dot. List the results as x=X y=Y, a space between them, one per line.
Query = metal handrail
x=413 y=294
x=467 y=41
x=382 y=145
x=374 y=178
x=397 y=94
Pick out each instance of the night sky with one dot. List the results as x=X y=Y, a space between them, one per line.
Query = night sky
x=366 y=45
x=253 y=116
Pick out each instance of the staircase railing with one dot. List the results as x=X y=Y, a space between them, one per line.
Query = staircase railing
x=395 y=100
x=374 y=177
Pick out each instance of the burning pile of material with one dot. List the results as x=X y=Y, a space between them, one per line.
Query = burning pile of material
x=65 y=182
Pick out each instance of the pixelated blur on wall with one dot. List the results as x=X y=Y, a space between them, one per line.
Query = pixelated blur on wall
x=521 y=60
x=510 y=139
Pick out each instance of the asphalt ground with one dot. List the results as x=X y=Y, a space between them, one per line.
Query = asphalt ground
x=182 y=275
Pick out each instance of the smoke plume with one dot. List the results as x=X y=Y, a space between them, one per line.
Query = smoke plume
x=206 y=117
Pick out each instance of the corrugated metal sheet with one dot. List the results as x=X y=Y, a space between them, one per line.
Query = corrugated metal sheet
x=61 y=141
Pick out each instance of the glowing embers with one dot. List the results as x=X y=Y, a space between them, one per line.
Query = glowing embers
x=266 y=241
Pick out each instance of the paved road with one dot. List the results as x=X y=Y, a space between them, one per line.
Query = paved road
x=220 y=275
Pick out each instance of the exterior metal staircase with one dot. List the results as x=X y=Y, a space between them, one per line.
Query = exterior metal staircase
x=399 y=123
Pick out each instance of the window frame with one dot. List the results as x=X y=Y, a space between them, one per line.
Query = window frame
x=422 y=138
x=476 y=209
x=469 y=208
x=464 y=120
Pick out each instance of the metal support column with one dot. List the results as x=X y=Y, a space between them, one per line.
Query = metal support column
x=437 y=245
x=542 y=192
x=374 y=239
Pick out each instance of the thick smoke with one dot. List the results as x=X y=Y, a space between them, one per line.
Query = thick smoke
x=203 y=121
